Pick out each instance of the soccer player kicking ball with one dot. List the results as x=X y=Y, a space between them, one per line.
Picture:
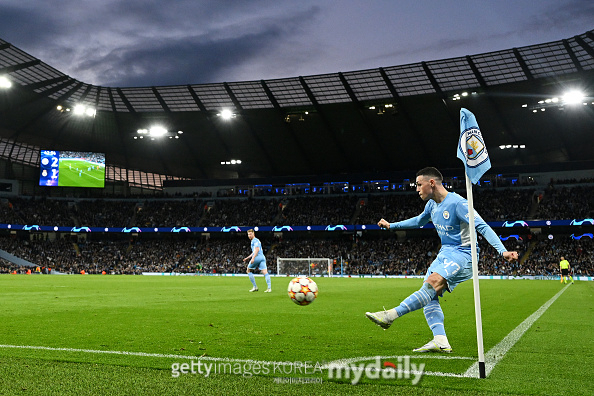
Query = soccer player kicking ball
x=257 y=261
x=453 y=265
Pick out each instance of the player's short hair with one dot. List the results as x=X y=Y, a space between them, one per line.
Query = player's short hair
x=431 y=172
x=251 y=230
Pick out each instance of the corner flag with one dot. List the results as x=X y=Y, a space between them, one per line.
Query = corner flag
x=473 y=153
x=471 y=147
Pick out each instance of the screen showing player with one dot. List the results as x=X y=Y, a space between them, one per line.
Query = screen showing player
x=72 y=169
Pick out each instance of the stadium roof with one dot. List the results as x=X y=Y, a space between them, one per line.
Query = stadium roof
x=374 y=121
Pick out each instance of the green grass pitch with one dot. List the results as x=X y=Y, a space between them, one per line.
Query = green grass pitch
x=83 y=177
x=215 y=317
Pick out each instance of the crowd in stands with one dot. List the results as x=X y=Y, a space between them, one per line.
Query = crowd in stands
x=241 y=212
x=576 y=202
x=181 y=213
x=318 y=211
x=554 y=203
x=358 y=255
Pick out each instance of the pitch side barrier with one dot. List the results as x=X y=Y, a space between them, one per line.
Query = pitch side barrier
x=512 y=226
x=501 y=277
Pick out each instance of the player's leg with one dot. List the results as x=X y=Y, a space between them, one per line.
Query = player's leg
x=451 y=267
x=267 y=278
x=435 y=319
x=262 y=267
x=415 y=301
x=252 y=279
x=261 y=263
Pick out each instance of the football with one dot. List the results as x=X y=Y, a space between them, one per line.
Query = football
x=302 y=290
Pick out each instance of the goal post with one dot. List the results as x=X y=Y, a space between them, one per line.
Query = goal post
x=310 y=266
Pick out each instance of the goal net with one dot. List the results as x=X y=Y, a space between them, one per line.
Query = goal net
x=304 y=266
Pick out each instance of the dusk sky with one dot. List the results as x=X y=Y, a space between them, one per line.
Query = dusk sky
x=145 y=43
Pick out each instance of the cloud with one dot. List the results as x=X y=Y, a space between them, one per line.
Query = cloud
x=177 y=61
x=149 y=42
x=562 y=16
x=140 y=43
x=188 y=59
x=17 y=23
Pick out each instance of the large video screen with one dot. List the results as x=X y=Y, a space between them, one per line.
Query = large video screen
x=72 y=169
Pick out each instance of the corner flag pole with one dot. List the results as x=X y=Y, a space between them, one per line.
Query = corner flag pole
x=475 y=280
x=473 y=153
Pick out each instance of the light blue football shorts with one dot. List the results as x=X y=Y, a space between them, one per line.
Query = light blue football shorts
x=259 y=263
x=454 y=264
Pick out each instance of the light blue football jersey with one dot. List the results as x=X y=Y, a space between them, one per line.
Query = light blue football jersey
x=450 y=218
x=256 y=243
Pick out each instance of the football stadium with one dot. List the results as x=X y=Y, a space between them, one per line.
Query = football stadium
x=127 y=266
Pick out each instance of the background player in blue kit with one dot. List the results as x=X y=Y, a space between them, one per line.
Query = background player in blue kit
x=453 y=265
x=257 y=261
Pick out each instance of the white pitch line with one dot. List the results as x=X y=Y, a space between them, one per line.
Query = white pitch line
x=495 y=354
x=492 y=357
x=333 y=364
x=141 y=354
x=347 y=361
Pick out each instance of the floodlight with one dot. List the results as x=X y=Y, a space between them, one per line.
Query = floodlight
x=157 y=131
x=573 y=97
x=226 y=114
x=79 y=109
x=5 y=82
